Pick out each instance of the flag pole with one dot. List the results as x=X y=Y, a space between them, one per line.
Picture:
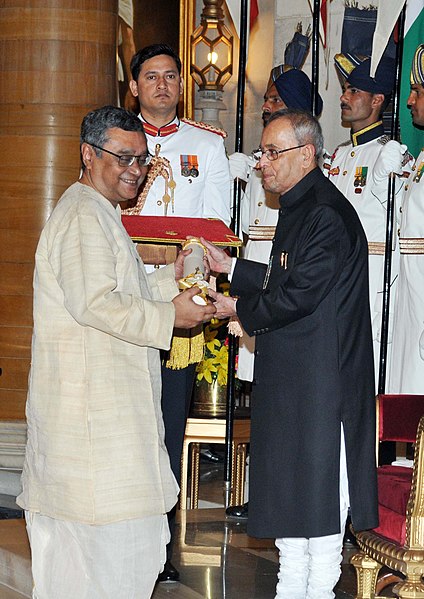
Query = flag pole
x=233 y=342
x=315 y=57
x=394 y=134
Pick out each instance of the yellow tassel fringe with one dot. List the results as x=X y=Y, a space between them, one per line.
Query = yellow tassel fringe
x=186 y=350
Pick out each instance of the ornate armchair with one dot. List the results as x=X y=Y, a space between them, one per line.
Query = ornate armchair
x=398 y=542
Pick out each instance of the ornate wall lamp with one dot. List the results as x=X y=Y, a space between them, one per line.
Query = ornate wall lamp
x=211 y=63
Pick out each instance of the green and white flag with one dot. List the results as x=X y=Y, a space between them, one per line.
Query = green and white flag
x=388 y=12
x=414 y=35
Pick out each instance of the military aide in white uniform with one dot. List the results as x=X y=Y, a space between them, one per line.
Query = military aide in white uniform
x=199 y=168
x=407 y=371
x=360 y=168
x=194 y=179
x=259 y=208
x=190 y=177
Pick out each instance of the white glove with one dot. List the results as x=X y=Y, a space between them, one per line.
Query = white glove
x=241 y=165
x=389 y=161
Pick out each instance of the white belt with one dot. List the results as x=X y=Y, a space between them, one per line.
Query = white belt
x=411 y=245
x=376 y=248
x=261 y=233
x=266 y=233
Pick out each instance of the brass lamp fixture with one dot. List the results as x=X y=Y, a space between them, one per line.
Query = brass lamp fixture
x=211 y=63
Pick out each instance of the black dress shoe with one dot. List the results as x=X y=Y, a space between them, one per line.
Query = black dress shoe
x=169 y=574
x=206 y=455
x=349 y=538
x=238 y=512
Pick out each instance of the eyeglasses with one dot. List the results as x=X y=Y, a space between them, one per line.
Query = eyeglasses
x=127 y=160
x=272 y=154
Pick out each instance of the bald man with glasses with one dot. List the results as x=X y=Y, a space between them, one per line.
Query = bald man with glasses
x=314 y=397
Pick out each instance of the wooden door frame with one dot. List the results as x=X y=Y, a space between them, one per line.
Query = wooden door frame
x=187 y=16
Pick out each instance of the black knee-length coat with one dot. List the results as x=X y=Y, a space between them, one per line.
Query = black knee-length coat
x=313 y=369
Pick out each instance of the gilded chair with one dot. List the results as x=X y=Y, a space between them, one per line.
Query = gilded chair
x=398 y=542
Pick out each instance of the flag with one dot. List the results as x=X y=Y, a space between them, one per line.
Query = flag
x=234 y=10
x=323 y=13
x=388 y=12
x=323 y=22
x=254 y=11
x=414 y=35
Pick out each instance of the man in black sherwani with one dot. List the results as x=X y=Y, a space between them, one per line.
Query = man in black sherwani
x=313 y=420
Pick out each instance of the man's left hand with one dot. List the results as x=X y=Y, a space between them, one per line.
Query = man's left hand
x=179 y=264
x=219 y=261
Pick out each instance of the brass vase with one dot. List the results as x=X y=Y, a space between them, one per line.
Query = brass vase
x=209 y=400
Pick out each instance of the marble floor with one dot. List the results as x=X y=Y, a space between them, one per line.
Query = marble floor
x=215 y=557
x=217 y=560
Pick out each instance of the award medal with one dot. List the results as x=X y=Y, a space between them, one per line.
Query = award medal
x=361 y=173
x=189 y=165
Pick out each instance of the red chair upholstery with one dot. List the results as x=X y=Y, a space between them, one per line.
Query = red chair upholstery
x=398 y=417
x=398 y=542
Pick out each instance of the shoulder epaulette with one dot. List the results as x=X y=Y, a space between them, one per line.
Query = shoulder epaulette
x=205 y=127
x=342 y=145
x=407 y=158
x=383 y=140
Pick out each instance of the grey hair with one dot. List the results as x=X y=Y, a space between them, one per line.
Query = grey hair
x=95 y=125
x=306 y=127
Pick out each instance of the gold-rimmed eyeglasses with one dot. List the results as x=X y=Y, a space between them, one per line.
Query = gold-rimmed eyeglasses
x=126 y=159
x=271 y=153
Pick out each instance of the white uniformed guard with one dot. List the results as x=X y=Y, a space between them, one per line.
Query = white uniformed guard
x=407 y=371
x=189 y=176
x=360 y=169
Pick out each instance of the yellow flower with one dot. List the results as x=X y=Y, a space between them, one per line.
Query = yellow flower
x=205 y=369
x=214 y=365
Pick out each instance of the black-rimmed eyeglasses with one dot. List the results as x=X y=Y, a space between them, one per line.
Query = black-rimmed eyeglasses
x=126 y=159
x=272 y=154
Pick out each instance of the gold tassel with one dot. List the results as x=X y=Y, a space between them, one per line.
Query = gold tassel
x=186 y=350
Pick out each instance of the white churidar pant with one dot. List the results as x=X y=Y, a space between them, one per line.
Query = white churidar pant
x=310 y=568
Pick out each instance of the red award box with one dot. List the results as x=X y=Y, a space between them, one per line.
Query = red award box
x=158 y=236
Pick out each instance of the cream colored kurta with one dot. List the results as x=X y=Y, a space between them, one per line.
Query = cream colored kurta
x=95 y=451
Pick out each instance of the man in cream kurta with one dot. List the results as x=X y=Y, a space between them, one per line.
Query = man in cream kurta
x=97 y=480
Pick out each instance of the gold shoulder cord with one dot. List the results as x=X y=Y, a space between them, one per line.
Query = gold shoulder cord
x=159 y=166
x=188 y=348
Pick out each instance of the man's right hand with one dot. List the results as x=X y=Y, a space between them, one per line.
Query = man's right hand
x=188 y=314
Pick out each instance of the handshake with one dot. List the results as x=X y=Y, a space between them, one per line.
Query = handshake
x=189 y=312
